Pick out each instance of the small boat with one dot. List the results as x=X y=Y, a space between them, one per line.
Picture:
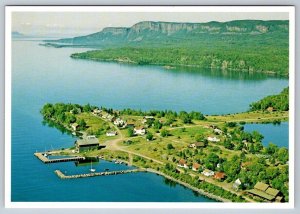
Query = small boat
x=91 y=169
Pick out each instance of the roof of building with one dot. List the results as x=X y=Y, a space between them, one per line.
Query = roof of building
x=199 y=144
x=196 y=165
x=245 y=164
x=261 y=194
x=182 y=161
x=75 y=124
x=271 y=191
x=207 y=171
x=219 y=175
x=261 y=186
x=238 y=181
x=139 y=128
x=89 y=140
x=264 y=190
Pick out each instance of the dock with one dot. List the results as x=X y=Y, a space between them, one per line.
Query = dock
x=46 y=160
x=94 y=174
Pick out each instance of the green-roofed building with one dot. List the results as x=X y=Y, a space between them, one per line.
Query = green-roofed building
x=87 y=143
x=266 y=192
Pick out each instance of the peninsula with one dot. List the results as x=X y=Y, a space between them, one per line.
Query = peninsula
x=212 y=155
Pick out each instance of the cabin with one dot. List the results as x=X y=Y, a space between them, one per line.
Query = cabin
x=139 y=131
x=270 y=109
x=182 y=163
x=213 y=139
x=97 y=112
x=208 y=173
x=236 y=184
x=265 y=192
x=111 y=133
x=119 y=122
x=130 y=124
x=219 y=176
x=147 y=118
x=199 y=145
x=218 y=131
x=110 y=117
x=192 y=145
x=196 y=167
x=75 y=126
x=245 y=165
x=87 y=143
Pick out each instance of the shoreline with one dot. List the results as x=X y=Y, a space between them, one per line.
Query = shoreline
x=172 y=66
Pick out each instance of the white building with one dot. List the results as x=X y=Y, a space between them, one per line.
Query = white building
x=213 y=139
x=111 y=133
x=218 y=131
x=208 y=173
x=139 y=131
x=119 y=122
x=236 y=184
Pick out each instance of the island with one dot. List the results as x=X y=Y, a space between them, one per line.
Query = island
x=210 y=154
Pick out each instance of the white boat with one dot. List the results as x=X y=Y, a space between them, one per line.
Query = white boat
x=91 y=169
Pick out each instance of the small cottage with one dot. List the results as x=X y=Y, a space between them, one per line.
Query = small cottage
x=196 y=167
x=208 y=173
x=219 y=175
x=139 y=131
x=182 y=163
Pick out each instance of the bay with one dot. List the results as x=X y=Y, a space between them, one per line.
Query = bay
x=41 y=74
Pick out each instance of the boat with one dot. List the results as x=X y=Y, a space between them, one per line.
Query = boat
x=91 y=169
x=45 y=154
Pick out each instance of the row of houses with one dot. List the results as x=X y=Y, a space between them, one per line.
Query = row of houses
x=206 y=172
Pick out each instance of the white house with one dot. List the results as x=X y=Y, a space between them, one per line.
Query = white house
x=213 y=139
x=208 y=173
x=236 y=184
x=119 y=122
x=111 y=133
x=139 y=131
x=218 y=131
x=182 y=163
x=97 y=111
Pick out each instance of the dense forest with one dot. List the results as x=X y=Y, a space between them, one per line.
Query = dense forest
x=279 y=102
x=251 y=59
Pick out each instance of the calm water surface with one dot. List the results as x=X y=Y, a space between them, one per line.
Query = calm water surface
x=41 y=75
x=276 y=134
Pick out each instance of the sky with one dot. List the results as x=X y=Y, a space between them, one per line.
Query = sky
x=68 y=24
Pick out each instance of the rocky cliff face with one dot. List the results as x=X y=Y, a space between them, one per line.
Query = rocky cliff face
x=148 y=30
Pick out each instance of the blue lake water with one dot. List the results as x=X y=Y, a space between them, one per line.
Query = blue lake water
x=276 y=134
x=41 y=75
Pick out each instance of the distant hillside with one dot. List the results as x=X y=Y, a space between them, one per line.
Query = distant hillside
x=148 y=32
x=245 y=45
x=16 y=34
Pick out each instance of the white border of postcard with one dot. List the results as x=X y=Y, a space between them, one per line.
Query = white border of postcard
x=8 y=12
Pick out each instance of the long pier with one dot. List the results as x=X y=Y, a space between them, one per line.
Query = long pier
x=46 y=160
x=94 y=174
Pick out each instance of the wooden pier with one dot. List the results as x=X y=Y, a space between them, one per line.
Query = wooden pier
x=46 y=160
x=94 y=174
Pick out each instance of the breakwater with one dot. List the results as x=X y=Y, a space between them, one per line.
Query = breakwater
x=94 y=174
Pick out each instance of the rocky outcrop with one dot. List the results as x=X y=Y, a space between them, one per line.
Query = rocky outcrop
x=174 y=32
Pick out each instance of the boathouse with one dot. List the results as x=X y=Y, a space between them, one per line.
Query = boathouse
x=87 y=143
x=265 y=192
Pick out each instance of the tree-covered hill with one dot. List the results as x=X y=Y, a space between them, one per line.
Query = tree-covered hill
x=279 y=102
x=243 y=45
